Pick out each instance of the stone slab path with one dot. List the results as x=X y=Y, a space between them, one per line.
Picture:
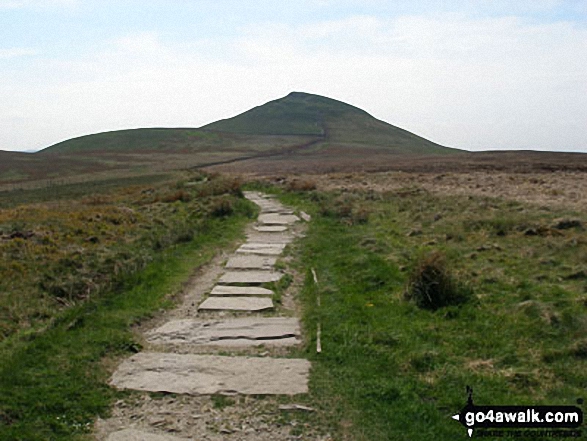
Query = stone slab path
x=271 y=237
x=250 y=277
x=139 y=435
x=223 y=291
x=264 y=249
x=251 y=262
x=278 y=219
x=234 y=303
x=212 y=374
x=173 y=361
x=246 y=331
x=271 y=229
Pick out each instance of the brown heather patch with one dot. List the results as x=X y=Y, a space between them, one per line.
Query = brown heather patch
x=55 y=254
x=545 y=188
x=480 y=366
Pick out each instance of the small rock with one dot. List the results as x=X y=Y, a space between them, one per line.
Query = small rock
x=21 y=235
x=565 y=224
x=577 y=275
x=296 y=407
x=415 y=232
x=158 y=421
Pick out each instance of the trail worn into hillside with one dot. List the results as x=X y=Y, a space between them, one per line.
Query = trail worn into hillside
x=284 y=153
x=220 y=366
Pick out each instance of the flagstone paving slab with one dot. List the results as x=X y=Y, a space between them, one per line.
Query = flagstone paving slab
x=212 y=374
x=274 y=249
x=271 y=229
x=221 y=290
x=250 y=331
x=282 y=238
x=274 y=209
x=248 y=304
x=139 y=435
x=232 y=277
x=277 y=219
x=253 y=245
x=251 y=262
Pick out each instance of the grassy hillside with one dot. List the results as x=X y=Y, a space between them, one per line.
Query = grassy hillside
x=320 y=128
x=337 y=122
x=158 y=139
x=136 y=152
x=296 y=115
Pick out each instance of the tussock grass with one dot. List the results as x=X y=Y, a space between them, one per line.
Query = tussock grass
x=432 y=286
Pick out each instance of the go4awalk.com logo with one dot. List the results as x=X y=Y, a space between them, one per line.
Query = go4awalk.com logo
x=531 y=421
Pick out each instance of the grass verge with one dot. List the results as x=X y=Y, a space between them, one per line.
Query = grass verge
x=53 y=384
x=391 y=370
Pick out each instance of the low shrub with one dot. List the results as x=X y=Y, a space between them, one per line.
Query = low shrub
x=345 y=209
x=179 y=195
x=222 y=207
x=301 y=185
x=432 y=286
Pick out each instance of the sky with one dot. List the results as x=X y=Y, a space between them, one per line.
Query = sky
x=471 y=74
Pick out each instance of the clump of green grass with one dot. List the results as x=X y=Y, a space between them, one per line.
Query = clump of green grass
x=432 y=286
x=222 y=401
x=280 y=287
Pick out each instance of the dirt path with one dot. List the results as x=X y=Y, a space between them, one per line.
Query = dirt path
x=221 y=366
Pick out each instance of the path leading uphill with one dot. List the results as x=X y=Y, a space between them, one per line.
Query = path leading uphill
x=226 y=344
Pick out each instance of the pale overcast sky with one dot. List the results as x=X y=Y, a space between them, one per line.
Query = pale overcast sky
x=476 y=75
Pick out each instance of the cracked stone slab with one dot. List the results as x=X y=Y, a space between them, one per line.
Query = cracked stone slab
x=212 y=374
x=251 y=262
x=250 y=331
x=248 y=304
x=139 y=435
x=271 y=229
x=225 y=291
x=232 y=277
x=277 y=219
